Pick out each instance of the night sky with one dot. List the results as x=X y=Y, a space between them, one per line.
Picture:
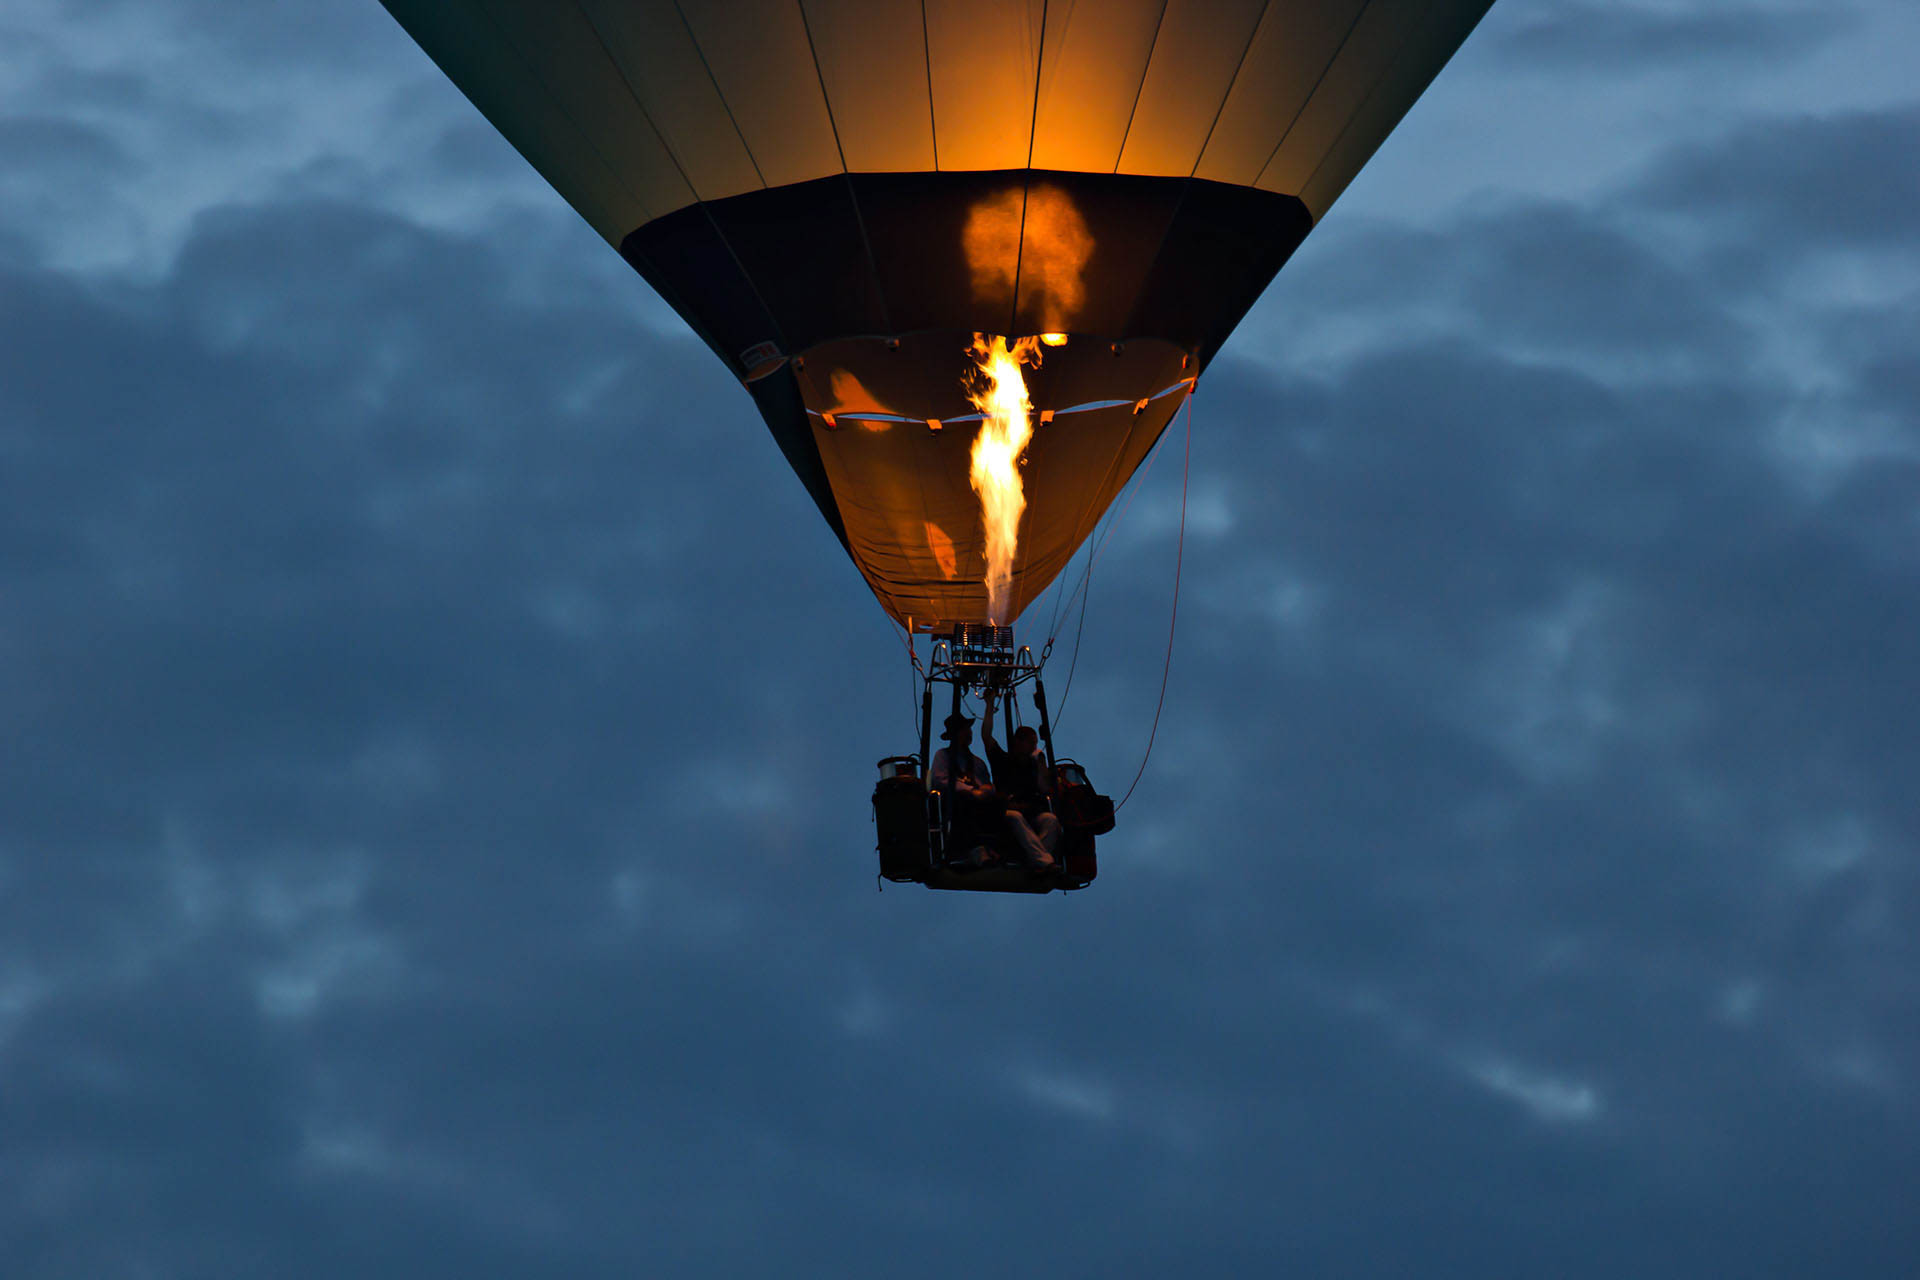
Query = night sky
x=436 y=728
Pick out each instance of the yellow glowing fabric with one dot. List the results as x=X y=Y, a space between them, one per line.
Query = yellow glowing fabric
x=635 y=108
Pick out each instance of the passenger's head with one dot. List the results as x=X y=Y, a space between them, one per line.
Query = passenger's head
x=959 y=730
x=1025 y=740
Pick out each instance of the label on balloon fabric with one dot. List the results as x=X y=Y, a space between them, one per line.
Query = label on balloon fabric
x=761 y=359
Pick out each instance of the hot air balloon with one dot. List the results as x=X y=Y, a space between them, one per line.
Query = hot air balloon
x=861 y=205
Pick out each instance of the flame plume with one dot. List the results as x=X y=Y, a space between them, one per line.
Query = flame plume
x=1000 y=392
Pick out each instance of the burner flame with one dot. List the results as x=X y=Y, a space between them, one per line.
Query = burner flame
x=999 y=391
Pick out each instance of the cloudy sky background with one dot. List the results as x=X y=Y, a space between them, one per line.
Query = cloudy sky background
x=436 y=729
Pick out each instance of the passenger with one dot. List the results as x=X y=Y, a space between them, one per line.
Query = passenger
x=962 y=777
x=1020 y=776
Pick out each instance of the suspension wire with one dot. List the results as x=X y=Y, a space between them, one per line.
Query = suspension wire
x=1064 y=607
x=1098 y=541
x=1092 y=547
x=1059 y=589
x=1095 y=546
x=915 y=670
x=1085 y=589
x=1067 y=691
x=914 y=680
x=1173 y=618
x=906 y=639
x=1053 y=631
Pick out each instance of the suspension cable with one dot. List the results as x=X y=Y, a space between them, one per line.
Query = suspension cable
x=1095 y=546
x=915 y=672
x=1058 y=590
x=1074 y=664
x=1173 y=618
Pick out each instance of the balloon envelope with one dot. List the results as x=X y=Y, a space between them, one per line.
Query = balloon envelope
x=836 y=195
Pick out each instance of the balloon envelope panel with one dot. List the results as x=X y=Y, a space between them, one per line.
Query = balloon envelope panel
x=635 y=108
x=806 y=181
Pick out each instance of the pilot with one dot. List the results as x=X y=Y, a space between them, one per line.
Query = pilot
x=963 y=776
